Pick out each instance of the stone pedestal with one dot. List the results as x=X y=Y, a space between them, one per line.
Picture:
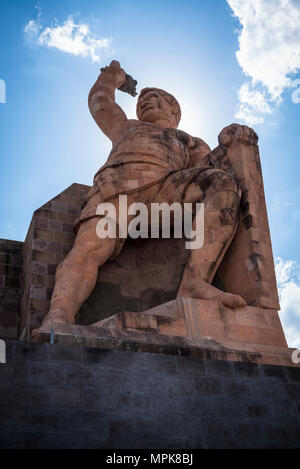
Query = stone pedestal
x=201 y=319
x=184 y=326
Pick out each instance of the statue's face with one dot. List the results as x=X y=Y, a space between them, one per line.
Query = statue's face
x=153 y=107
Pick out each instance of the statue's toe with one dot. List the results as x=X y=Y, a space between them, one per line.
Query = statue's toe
x=232 y=301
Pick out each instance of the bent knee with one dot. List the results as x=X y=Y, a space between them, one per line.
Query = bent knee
x=97 y=251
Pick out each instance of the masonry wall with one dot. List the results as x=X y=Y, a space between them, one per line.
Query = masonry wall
x=49 y=239
x=11 y=261
x=54 y=396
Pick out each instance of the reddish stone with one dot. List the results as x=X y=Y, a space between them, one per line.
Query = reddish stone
x=236 y=256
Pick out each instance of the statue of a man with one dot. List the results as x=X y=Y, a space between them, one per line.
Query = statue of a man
x=150 y=161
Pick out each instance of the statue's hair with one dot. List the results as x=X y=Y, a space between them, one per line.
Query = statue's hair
x=168 y=97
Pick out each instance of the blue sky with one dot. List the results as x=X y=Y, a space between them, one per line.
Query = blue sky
x=225 y=61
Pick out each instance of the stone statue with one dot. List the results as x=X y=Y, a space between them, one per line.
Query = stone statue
x=151 y=161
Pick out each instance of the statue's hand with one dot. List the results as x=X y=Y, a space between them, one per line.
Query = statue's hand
x=240 y=133
x=115 y=73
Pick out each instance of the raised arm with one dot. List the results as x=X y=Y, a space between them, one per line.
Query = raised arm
x=107 y=113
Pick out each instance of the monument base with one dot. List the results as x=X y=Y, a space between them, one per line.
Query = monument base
x=63 y=397
x=184 y=326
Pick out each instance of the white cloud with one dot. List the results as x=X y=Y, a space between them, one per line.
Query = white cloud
x=76 y=39
x=269 y=49
x=292 y=336
x=296 y=93
x=253 y=105
x=283 y=270
x=289 y=295
x=32 y=27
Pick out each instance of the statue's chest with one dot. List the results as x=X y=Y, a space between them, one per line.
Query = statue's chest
x=177 y=138
x=155 y=139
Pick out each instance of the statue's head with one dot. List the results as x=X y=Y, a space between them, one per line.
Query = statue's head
x=155 y=105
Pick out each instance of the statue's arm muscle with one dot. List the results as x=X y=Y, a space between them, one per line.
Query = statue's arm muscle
x=106 y=112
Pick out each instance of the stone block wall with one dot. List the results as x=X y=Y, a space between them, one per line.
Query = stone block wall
x=49 y=239
x=55 y=396
x=11 y=261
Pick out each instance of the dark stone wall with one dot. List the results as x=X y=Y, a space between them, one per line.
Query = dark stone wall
x=54 y=396
x=11 y=262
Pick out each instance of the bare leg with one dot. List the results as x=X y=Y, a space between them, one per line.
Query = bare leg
x=221 y=205
x=76 y=276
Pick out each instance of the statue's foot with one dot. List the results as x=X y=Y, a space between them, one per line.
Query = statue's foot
x=195 y=288
x=230 y=300
x=57 y=316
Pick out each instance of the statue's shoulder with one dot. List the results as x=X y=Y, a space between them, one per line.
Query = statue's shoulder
x=200 y=144
x=132 y=123
x=131 y=129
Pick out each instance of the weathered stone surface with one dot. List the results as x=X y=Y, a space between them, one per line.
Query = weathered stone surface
x=136 y=332
x=152 y=161
x=45 y=246
x=149 y=273
x=11 y=266
x=247 y=268
x=247 y=328
x=94 y=398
